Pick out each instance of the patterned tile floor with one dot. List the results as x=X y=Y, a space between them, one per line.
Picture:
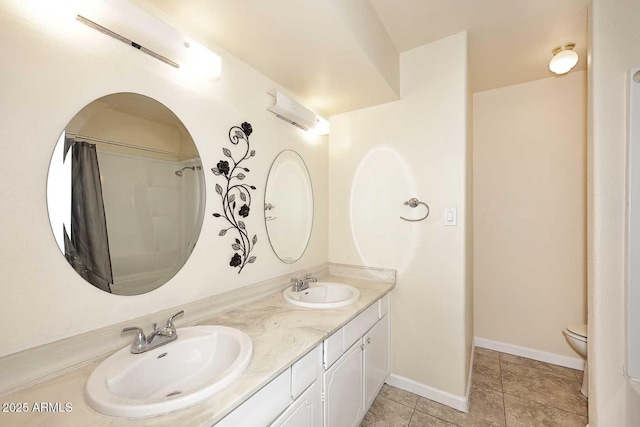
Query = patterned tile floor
x=506 y=390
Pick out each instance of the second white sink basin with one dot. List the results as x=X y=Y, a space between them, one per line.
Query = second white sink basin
x=202 y=361
x=323 y=295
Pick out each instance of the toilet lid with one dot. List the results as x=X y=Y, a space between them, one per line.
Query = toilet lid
x=578 y=329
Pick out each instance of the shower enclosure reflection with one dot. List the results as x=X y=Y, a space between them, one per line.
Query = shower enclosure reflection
x=149 y=194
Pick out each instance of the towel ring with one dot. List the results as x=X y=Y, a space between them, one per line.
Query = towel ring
x=412 y=203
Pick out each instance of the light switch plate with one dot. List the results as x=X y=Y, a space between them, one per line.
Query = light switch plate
x=450 y=216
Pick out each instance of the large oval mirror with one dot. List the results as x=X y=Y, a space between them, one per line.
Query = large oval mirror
x=125 y=194
x=288 y=206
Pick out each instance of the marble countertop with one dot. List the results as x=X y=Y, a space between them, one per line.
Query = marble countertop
x=281 y=334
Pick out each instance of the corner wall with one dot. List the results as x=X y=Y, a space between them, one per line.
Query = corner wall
x=381 y=157
x=530 y=212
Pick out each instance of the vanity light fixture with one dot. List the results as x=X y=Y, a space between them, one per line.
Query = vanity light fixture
x=125 y=40
x=149 y=35
x=564 y=59
x=322 y=126
x=293 y=112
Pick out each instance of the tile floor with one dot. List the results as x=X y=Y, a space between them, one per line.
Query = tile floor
x=506 y=390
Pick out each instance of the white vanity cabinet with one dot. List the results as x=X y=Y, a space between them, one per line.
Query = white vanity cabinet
x=353 y=378
x=332 y=386
x=376 y=360
x=343 y=393
x=292 y=399
x=303 y=412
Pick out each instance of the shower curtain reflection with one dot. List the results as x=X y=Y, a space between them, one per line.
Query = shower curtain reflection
x=87 y=249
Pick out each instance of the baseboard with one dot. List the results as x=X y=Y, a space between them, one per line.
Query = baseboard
x=461 y=403
x=530 y=353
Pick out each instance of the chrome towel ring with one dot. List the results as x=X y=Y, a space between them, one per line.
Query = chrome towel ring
x=413 y=202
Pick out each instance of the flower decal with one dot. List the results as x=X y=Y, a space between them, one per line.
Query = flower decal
x=246 y=128
x=236 y=260
x=235 y=192
x=223 y=167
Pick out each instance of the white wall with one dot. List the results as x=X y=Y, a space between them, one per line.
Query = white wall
x=56 y=67
x=379 y=158
x=615 y=49
x=529 y=161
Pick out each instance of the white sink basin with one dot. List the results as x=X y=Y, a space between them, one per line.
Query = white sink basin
x=323 y=295
x=202 y=361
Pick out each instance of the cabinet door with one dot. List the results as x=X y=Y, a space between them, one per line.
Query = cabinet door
x=376 y=360
x=343 y=395
x=303 y=412
x=264 y=406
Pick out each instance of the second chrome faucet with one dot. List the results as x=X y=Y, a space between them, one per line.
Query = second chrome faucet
x=157 y=338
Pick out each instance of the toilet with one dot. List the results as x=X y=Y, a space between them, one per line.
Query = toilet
x=577 y=337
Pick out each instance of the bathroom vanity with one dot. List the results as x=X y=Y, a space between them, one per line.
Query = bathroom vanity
x=310 y=367
x=318 y=354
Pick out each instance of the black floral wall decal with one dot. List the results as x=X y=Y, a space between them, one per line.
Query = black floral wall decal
x=234 y=189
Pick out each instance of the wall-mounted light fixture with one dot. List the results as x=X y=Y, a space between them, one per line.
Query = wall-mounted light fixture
x=135 y=27
x=298 y=115
x=125 y=40
x=564 y=59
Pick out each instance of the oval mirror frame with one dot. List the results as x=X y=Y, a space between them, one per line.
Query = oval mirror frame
x=288 y=216
x=126 y=193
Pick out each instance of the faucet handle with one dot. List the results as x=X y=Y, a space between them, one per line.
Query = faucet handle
x=309 y=277
x=170 y=319
x=140 y=341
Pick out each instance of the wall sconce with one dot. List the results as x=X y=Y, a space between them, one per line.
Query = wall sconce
x=150 y=35
x=564 y=59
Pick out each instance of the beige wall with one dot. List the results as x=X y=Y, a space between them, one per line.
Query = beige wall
x=57 y=67
x=381 y=157
x=615 y=47
x=529 y=212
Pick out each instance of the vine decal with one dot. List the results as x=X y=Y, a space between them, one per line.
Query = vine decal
x=236 y=197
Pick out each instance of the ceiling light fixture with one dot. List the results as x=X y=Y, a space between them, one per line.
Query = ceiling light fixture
x=564 y=59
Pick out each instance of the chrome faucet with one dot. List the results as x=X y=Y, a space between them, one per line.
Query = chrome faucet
x=157 y=338
x=302 y=284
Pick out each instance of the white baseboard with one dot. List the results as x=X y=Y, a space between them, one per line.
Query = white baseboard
x=461 y=403
x=530 y=353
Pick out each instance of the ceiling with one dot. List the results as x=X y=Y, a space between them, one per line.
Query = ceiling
x=510 y=41
x=342 y=55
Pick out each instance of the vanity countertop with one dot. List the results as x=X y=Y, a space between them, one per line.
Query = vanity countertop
x=281 y=334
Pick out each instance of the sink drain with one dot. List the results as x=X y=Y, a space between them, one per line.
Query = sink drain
x=173 y=393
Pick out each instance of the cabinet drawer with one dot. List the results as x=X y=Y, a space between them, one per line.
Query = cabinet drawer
x=333 y=348
x=355 y=329
x=304 y=372
x=264 y=406
x=383 y=306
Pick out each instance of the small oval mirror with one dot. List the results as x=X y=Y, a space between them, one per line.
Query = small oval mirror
x=288 y=206
x=125 y=193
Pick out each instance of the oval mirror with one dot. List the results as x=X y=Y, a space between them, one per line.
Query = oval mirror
x=288 y=206
x=125 y=193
